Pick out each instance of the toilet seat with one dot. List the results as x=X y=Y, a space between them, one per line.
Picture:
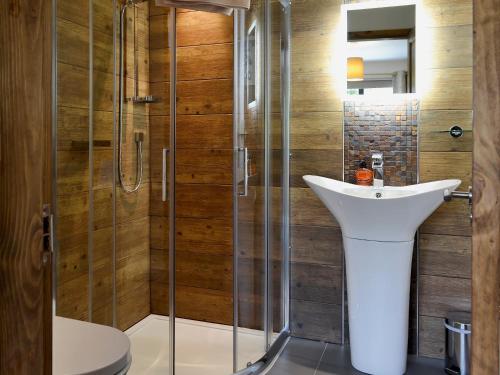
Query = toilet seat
x=89 y=349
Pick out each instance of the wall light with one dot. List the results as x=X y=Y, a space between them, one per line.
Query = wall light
x=355 y=69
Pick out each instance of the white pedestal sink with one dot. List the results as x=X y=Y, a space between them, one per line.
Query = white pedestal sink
x=378 y=228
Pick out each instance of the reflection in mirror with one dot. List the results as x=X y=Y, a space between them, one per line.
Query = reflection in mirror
x=381 y=50
x=251 y=72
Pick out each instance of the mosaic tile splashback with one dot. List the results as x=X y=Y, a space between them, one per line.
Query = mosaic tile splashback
x=388 y=128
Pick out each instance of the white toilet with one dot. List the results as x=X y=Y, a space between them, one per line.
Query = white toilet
x=90 y=349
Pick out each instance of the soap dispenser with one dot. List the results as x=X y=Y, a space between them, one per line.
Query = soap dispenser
x=364 y=176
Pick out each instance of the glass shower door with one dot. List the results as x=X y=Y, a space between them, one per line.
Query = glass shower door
x=250 y=193
x=261 y=179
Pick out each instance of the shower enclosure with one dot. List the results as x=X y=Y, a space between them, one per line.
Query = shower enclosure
x=171 y=149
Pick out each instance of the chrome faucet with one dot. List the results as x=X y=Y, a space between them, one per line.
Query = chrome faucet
x=378 y=169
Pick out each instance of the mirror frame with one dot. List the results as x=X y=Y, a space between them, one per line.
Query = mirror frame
x=376 y=4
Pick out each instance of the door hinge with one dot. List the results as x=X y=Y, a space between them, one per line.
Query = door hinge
x=48 y=233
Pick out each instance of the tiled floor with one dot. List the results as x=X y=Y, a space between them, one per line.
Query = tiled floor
x=305 y=357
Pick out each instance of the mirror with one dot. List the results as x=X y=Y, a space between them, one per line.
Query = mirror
x=381 y=49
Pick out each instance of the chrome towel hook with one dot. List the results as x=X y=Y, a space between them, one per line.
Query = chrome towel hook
x=448 y=196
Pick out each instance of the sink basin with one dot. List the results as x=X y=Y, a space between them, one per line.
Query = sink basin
x=378 y=230
x=389 y=213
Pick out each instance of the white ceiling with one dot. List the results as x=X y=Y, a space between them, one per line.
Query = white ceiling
x=379 y=50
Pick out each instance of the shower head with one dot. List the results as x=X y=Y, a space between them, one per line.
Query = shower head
x=129 y=3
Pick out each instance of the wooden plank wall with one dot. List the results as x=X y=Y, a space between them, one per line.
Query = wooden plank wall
x=445 y=238
x=486 y=233
x=316 y=142
x=72 y=191
x=317 y=148
x=159 y=75
x=25 y=186
x=132 y=212
x=73 y=194
x=203 y=165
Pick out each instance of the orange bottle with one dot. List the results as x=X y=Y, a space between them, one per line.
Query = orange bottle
x=364 y=176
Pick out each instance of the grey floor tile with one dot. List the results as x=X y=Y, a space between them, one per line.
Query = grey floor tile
x=336 y=361
x=331 y=369
x=425 y=366
x=300 y=357
x=337 y=354
x=306 y=357
x=304 y=348
x=294 y=366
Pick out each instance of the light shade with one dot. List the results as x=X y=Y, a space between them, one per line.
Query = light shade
x=355 y=69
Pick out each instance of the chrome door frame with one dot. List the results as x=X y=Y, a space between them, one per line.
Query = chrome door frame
x=238 y=120
x=172 y=42
x=268 y=300
x=285 y=66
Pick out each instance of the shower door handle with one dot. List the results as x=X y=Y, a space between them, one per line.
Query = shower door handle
x=245 y=171
x=164 y=188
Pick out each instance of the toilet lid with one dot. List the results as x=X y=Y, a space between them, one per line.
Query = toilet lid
x=87 y=348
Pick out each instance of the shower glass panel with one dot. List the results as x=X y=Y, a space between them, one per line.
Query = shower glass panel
x=171 y=204
x=261 y=178
x=250 y=263
x=84 y=189
x=101 y=220
x=72 y=166
x=132 y=166
x=103 y=241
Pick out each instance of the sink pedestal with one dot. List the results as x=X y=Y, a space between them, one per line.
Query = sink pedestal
x=378 y=226
x=378 y=292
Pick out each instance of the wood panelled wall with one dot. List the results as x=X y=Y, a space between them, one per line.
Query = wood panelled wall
x=204 y=249
x=317 y=148
x=204 y=252
x=25 y=186
x=84 y=205
x=485 y=348
x=159 y=75
x=132 y=209
x=445 y=82
x=204 y=165
x=445 y=238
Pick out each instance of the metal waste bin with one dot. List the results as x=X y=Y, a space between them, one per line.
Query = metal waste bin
x=458 y=329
